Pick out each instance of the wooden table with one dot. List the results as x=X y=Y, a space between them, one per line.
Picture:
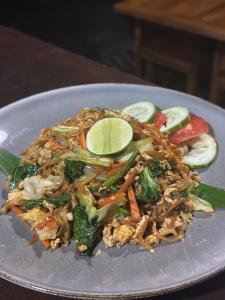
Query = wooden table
x=205 y=18
x=29 y=66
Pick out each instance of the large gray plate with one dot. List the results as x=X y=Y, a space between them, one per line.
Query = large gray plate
x=122 y=272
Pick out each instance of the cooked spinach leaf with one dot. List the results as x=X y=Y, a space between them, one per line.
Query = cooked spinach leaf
x=172 y=164
x=8 y=161
x=85 y=230
x=56 y=201
x=20 y=173
x=73 y=169
x=156 y=168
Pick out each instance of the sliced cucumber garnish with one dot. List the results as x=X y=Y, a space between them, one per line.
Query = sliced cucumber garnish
x=177 y=117
x=142 y=111
x=202 y=153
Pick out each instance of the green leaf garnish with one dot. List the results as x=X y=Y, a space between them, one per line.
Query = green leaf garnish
x=8 y=161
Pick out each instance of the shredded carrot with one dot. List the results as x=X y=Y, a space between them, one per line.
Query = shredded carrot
x=109 y=170
x=50 y=222
x=17 y=210
x=82 y=140
x=108 y=200
x=46 y=244
x=98 y=169
x=135 y=213
x=129 y=180
x=64 y=187
x=129 y=223
x=174 y=205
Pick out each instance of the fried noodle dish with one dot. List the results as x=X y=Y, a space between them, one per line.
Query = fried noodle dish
x=139 y=195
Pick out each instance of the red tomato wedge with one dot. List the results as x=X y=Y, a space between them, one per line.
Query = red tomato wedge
x=160 y=119
x=195 y=127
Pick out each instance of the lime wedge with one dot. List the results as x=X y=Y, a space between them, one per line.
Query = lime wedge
x=109 y=136
x=142 y=111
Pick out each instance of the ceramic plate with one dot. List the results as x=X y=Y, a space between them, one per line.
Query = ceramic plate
x=127 y=272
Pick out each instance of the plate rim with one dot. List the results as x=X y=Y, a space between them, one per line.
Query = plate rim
x=89 y=295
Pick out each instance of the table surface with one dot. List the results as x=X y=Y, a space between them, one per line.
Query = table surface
x=29 y=66
x=204 y=17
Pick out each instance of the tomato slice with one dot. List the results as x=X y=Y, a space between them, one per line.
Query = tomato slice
x=160 y=119
x=195 y=127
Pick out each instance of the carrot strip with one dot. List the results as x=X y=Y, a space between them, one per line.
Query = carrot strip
x=135 y=213
x=108 y=200
x=174 y=205
x=17 y=210
x=46 y=244
x=64 y=187
x=82 y=140
x=50 y=222
x=109 y=170
x=129 y=223
x=129 y=180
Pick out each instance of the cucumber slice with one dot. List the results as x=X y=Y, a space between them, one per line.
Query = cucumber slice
x=203 y=152
x=142 y=111
x=177 y=117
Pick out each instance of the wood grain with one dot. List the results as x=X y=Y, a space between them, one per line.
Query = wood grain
x=204 y=17
x=29 y=66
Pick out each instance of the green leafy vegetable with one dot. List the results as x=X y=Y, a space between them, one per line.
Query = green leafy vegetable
x=8 y=161
x=87 y=157
x=93 y=217
x=148 y=190
x=173 y=165
x=215 y=196
x=73 y=169
x=201 y=204
x=56 y=201
x=85 y=230
x=112 y=180
x=20 y=173
x=122 y=212
x=141 y=145
x=156 y=168
x=187 y=192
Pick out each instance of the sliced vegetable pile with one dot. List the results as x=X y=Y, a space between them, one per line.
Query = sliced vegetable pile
x=120 y=176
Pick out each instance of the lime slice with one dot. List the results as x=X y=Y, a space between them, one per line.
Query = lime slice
x=109 y=136
x=142 y=111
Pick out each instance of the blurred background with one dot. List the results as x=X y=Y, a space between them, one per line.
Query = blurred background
x=108 y=31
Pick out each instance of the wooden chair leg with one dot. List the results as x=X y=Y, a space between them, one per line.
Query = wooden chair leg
x=191 y=82
x=214 y=88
